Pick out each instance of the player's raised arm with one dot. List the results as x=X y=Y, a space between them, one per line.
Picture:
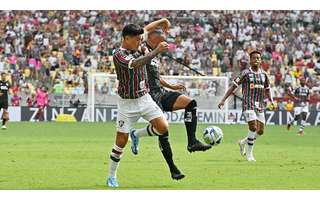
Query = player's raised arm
x=178 y=86
x=143 y=60
x=163 y=23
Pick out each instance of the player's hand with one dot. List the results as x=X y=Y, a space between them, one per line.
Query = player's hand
x=162 y=47
x=1 y=94
x=179 y=87
x=221 y=104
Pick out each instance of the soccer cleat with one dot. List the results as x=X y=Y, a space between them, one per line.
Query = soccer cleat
x=112 y=182
x=177 y=176
x=250 y=158
x=301 y=133
x=134 y=142
x=198 y=146
x=3 y=127
x=242 y=147
x=288 y=126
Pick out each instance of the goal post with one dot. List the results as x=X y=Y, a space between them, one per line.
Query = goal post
x=206 y=90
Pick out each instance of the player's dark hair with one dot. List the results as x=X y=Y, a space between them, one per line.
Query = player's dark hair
x=253 y=52
x=132 y=30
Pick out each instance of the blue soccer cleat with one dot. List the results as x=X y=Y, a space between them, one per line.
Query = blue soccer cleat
x=112 y=182
x=134 y=142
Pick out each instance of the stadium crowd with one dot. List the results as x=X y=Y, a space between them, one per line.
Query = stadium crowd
x=57 y=49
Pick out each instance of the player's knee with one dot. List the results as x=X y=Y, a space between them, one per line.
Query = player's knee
x=192 y=105
x=190 y=113
x=121 y=139
x=162 y=128
x=253 y=127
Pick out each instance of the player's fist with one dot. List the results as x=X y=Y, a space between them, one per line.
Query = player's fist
x=162 y=47
x=221 y=104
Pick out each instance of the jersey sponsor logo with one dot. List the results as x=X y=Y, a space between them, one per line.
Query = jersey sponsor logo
x=257 y=86
x=3 y=87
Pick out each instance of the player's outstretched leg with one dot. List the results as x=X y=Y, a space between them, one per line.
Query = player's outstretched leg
x=190 y=121
x=135 y=134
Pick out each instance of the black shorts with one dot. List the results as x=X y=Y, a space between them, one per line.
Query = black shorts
x=165 y=99
x=4 y=104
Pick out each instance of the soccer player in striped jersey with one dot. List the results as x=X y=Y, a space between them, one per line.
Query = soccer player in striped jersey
x=301 y=96
x=255 y=83
x=169 y=101
x=134 y=100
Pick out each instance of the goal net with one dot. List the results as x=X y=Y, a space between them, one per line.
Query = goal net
x=207 y=91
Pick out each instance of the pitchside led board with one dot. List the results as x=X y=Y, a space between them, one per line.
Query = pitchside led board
x=105 y=114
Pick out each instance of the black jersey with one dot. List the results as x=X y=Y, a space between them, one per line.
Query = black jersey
x=302 y=93
x=4 y=88
x=153 y=72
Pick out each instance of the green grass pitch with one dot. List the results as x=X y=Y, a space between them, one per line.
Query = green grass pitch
x=76 y=156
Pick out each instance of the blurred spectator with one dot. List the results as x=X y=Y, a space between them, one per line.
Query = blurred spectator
x=43 y=47
x=15 y=100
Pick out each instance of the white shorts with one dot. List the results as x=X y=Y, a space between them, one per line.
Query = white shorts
x=251 y=115
x=300 y=109
x=130 y=110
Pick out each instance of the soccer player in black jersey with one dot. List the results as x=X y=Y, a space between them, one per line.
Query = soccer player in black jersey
x=4 y=89
x=168 y=101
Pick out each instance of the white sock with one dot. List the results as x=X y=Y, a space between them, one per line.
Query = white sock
x=115 y=160
x=250 y=141
x=302 y=125
x=147 y=131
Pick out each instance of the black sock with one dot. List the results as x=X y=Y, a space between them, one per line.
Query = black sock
x=190 y=121
x=167 y=152
x=3 y=122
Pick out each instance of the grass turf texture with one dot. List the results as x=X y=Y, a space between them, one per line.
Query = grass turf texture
x=76 y=156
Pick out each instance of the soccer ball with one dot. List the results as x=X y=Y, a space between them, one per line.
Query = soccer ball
x=213 y=135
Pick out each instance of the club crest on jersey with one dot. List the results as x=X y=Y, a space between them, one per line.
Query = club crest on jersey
x=154 y=62
x=121 y=123
x=251 y=85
